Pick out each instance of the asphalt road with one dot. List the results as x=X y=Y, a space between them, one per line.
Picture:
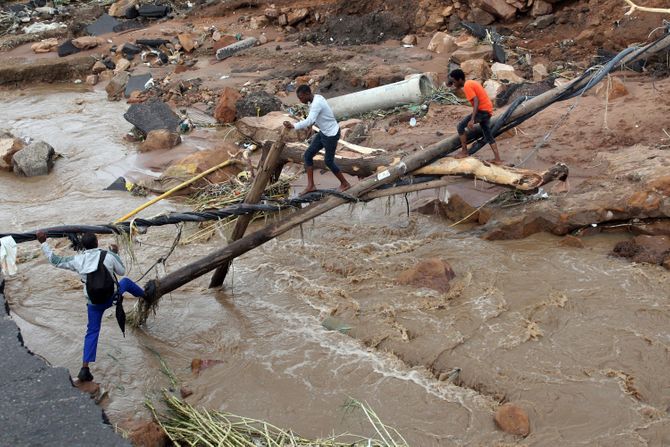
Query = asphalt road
x=39 y=406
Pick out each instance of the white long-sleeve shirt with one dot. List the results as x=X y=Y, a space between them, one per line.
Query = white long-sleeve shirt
x=85 y=262
x=322 y=115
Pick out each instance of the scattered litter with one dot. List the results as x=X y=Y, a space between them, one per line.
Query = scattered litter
x=412 y=122
x=224 y=77
x=43 y=27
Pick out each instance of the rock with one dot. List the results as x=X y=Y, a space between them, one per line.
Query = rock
x=435 y=21
x=45 y=46
x=541 y=8
x=98 y=67
x=447 y=11
x=216 y=36
x=33 y=160
x=257 y=104
x=9 y=145
x=432 y=273
x=197 y=365
x=92 y=79
x=137 y=83
x=282 y=20
x=611 y=88
x=194 y=164
x=90 y=388
x=504 y=72
x=185 y=392
x=410 y=39
x=442 y=43
x=481 y=17
x=512 y=419
x=86 y=42
x=477 y=52
x=666 y=263
x=499 y=8
x=121 y=7
x=186 y=41
x=122 y=65
x=269 y=127
x=147 y=434
x=493 y=88
x=543 y=22
x=117 y=85
x=587 y=34
x=466 y=40
x=539 y=72
x=152 y=115
x=571 y=241
x=644 y=248
x=160 y=139
x=271 y=13
x=297 y=15
x=226 y=110
x=476 y=68
x=263 y=39
x=259 y=22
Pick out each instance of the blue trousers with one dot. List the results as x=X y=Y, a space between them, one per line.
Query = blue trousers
x=319 y=142
x=95 y=312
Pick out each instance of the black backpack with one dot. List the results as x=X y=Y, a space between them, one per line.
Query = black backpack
x=100 y=285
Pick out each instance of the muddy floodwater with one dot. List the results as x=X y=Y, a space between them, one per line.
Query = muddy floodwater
x=578 y=339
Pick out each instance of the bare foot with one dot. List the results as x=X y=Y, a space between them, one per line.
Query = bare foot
x=496 y=161
x=308 y=190
x=343 y=187
x=461 y=155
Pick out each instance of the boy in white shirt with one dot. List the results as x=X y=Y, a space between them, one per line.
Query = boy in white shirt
x=322 y=115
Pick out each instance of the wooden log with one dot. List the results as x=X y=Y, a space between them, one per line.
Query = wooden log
x=271 y=160
x=157 y=288
x=360 y=167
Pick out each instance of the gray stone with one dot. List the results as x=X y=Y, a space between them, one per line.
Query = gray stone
x=152 y=115
x=137 y=83
x=33 y=160
x=104 y=25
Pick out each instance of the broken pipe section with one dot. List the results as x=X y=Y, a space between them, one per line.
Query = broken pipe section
x=409 y=91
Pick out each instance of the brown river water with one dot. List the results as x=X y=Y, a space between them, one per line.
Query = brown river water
x=578 y=339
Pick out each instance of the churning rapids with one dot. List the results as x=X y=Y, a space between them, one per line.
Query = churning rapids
x=579 y=339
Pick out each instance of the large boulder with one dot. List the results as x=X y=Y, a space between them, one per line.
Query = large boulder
x=33 y=160
x=504 y=72
x=152 y=115
x=433 y=273
x=541 y=8
x=512 y=419
x=477 y=52
x=257 y=104
x=499 y=8
x=645 y=248
x=117 y=85
x=442 y=43
x=268 y=128
x=226 y=109
x=493 y=88
x=86 y=42
x=160 y=139
x=9 y=145
x=121 y=7
x=476 y=69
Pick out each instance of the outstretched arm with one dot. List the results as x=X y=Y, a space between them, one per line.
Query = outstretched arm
x=62 y=262
x=314 y=111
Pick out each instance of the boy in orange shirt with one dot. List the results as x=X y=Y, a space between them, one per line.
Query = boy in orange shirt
x=482 y=110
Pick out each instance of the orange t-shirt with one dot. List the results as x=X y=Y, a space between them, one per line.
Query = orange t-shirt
x=474 y=88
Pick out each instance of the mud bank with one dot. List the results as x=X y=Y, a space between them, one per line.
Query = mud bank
x=40 y=405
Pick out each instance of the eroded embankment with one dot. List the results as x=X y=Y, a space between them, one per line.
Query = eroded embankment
x=39 y=403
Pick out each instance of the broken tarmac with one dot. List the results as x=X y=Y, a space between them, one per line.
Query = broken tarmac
x=39 y=404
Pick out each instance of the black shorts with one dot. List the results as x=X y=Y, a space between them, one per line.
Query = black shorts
x=484 y=120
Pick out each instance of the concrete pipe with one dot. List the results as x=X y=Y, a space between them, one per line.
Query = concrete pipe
x=410 y=91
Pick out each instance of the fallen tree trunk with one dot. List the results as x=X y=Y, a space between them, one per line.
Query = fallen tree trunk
x=253 y=196
x=157 y=288
x=360 y=167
